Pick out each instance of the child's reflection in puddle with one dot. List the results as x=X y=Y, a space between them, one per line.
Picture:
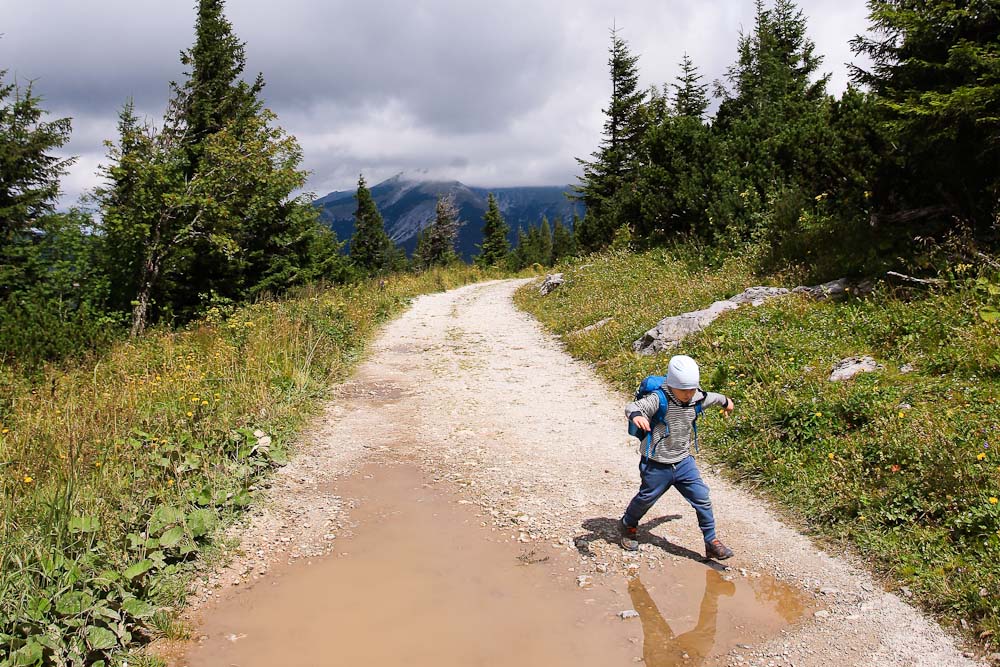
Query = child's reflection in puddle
x=661 y=648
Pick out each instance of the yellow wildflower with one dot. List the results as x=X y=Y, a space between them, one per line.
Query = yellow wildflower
x=97 y=464
x=28 y=479
x=993 y=500
x=901 y=414
x=6 y=430
x=819 y=414
x=204 y=402
x=190 y=414
x=170 y=482
x=831 y=456
x=980 y=456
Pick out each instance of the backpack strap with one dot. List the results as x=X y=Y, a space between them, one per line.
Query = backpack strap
x=659 y=418
x=699 y=410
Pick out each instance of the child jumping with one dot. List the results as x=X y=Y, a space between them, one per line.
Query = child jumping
x=666 y=453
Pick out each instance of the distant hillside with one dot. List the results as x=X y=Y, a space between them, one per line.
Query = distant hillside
x=408 y=204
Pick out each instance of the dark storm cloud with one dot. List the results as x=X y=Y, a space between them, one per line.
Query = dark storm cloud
x=494 y=93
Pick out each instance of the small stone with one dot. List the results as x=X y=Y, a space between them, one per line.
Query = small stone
x=829 y=591
x=822 y=613
x=583 y=580
x=627 y=614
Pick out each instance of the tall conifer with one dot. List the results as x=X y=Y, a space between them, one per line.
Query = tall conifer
x=495 y=247
x=372 y=251
x=614 y=164
x=936 y=74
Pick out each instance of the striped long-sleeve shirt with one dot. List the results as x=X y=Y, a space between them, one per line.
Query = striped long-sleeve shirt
x=676 y=445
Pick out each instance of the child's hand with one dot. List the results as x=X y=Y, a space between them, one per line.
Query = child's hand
x=642 y=422
x=730 y=406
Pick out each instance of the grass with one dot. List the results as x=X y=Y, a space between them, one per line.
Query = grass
x=903 y=466
x=115 y=475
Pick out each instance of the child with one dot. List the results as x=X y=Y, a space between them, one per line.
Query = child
x=667 y=459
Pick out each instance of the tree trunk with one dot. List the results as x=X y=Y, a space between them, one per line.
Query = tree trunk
x=150 y=274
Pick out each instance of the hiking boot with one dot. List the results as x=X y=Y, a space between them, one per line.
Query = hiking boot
x=717 y=550
x=629 y=534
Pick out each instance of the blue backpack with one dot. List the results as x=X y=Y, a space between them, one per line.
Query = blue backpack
x=649 y=385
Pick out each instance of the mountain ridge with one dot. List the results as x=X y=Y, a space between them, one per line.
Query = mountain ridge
x=408 y=205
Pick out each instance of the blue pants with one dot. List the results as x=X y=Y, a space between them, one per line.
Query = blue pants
x=658 y=477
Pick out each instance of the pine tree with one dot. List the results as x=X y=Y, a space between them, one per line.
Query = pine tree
x=545 y=243
x=585 y=235
x=204 y=208
x=935 y=73
x=773 y=126
x=614 y=164
x=372 y=251
x=436 y=244
x=562 y=242
x=29 y=176
x=690 y=97
x=213 y=94
x=517 y=259
x=495 y=247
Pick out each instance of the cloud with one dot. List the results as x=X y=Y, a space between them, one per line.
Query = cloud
x=500 y=93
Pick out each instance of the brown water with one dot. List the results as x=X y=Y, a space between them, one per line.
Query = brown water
x=423 y=583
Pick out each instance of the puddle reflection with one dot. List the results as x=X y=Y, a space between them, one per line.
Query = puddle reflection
x=661 y=647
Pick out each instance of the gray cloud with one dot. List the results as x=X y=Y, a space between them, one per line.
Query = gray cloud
x=500 y=93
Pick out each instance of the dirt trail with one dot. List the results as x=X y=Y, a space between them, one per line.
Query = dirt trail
x=472 y=393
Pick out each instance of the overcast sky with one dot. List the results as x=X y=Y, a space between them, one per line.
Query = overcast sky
x=495 y=93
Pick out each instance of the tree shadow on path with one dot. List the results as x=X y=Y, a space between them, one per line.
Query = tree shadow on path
x=606 y=529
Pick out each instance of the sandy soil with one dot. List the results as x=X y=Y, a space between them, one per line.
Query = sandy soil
x=474 y=391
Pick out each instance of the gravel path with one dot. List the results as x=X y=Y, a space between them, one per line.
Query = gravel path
x=478 y=394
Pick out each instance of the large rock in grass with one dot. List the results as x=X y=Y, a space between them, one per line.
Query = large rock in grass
x=552 y=281
x=847 y=368
x=669 y=331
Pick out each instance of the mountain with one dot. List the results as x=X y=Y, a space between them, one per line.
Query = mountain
x=407 y=205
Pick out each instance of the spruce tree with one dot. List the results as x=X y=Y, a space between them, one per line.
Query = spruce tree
x=562 y=242
x=204 y=208
x=214 y=93
x=29 y=176
x=935 y=73
x=614 y=164
x=436 y=244
x=517 y=259
x=372 y=251
x=545 y=243
x=670 y=195
x=690 y=97
x=773 y=125
x=495 y=247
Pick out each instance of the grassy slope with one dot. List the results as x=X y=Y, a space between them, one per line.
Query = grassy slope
x=904 y=466
x=115 y=475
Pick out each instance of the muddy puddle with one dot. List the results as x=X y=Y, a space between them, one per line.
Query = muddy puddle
x=421 y=581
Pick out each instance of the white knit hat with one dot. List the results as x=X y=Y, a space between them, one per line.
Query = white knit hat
x=682 y=373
